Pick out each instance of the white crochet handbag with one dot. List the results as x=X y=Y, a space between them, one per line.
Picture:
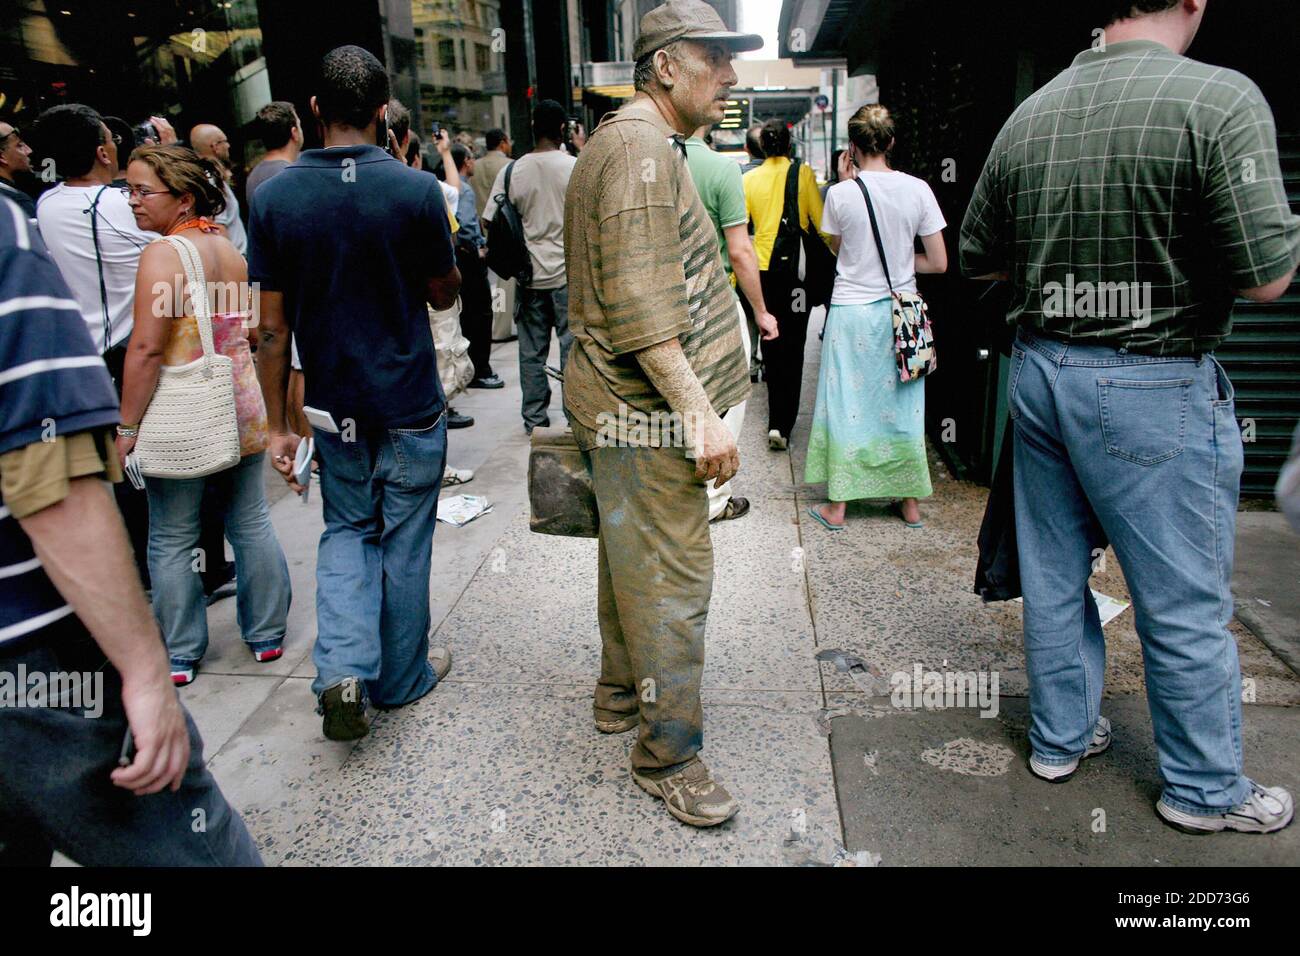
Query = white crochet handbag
x=190 y=428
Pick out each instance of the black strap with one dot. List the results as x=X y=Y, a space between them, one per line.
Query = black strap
x=875 y=232
x=506 y=185
x=99 y=264
x=791 y=201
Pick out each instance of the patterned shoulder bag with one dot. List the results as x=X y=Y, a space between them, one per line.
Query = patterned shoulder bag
x=913 y=337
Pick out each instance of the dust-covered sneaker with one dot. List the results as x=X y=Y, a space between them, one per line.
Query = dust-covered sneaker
x=776 y=441
x=1059 y=773
x=618 y=725
x=344 y=708
x=1265 y=810
x=692 y=795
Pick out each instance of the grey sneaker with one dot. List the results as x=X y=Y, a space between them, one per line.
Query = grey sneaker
x=692 y=795
x=1265 y=810
x=1059 y=773
x=618 y=725
x=344 y=708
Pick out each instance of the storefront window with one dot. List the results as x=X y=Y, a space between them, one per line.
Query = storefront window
x=196 y=61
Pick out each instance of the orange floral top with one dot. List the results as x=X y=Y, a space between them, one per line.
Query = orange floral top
x=229 y=337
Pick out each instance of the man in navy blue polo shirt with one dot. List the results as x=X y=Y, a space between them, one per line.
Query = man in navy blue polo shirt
x=347 y=245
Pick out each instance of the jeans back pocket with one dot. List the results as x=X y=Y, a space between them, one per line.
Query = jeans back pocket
x=1144 y=422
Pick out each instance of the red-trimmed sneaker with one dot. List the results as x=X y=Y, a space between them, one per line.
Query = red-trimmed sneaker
x=272 y=653
x=182 y=675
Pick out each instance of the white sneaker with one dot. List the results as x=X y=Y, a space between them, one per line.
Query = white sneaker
x=1059 y=773
x=456 y=476
x=1265 y=810
x=776 y=442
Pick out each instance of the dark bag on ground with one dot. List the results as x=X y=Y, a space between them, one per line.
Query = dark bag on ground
x=560 y=496
x=818 y=279
x=507 y=248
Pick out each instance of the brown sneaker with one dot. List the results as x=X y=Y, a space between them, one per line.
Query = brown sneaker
x=618 y=725
x=692 y=796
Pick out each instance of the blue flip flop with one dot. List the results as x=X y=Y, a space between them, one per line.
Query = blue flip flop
x=816 y=515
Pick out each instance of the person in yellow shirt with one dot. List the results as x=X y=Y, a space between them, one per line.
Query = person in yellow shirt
x=782 y=289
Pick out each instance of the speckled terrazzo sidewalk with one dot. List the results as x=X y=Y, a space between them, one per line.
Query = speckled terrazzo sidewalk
x=501 y=764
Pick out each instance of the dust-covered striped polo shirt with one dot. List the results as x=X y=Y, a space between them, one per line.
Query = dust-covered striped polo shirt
x=643 y=267
x=1130 y=197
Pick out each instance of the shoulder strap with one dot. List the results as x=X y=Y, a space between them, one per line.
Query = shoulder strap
x=99 y=265
x=197 y=282
x=509 y=167
x=875 y=232
x=791 y=204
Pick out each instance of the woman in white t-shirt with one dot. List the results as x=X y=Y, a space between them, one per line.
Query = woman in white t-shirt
x=868 y=437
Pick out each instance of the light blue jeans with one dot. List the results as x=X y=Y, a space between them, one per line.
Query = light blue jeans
x=262 y=598
x=380 y=498
x=1146 y=452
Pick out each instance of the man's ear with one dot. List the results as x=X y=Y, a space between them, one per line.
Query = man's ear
x=315 y=109
x=668 y=68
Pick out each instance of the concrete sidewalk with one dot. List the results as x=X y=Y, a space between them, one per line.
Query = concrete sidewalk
x=501 y=764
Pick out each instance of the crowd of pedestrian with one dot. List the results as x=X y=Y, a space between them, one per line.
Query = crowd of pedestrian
x=160 y=333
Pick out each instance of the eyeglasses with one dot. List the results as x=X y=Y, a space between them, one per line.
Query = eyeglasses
x=129 y=191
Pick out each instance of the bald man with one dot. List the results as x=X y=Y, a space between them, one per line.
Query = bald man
x=210 y=142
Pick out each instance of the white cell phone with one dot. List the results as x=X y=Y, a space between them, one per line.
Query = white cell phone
x=302 y=466
x=320 y=419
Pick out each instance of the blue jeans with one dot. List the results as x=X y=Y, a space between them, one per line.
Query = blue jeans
x=262 y=598
x=380 y=495
x=1147 y=452
x=55 y=761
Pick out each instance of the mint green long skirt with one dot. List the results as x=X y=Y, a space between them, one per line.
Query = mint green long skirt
x=868 y=430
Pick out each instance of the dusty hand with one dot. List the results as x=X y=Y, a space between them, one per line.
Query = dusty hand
x=716 y=457
x=846 y=167
x=162 y=740
x=283 y=450
x=442 y=142
x=767 y=325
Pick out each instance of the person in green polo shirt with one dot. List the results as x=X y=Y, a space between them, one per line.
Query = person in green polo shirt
x=1127 y=201
x=717 y=179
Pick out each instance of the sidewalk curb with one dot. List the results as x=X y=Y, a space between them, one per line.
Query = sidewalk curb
x=1253 y=623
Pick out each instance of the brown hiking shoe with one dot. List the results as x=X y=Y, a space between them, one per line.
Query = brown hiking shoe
x=692 y=795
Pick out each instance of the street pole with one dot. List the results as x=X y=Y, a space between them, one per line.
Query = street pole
x=835 y=104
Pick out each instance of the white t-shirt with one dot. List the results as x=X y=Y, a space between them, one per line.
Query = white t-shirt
x=229 y=218
x=905 y=208
x=64 y=216
x=537 y=188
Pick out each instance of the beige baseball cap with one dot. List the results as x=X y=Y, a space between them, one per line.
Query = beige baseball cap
x=688 y=20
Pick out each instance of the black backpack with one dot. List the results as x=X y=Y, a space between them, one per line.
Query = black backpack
x=507 y=249
x=819 y=261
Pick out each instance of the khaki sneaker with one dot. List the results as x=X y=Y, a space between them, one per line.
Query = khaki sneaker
x=692 y=795
x=440 y=658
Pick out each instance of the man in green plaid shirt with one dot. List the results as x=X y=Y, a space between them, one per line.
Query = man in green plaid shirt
x=1128 y=201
